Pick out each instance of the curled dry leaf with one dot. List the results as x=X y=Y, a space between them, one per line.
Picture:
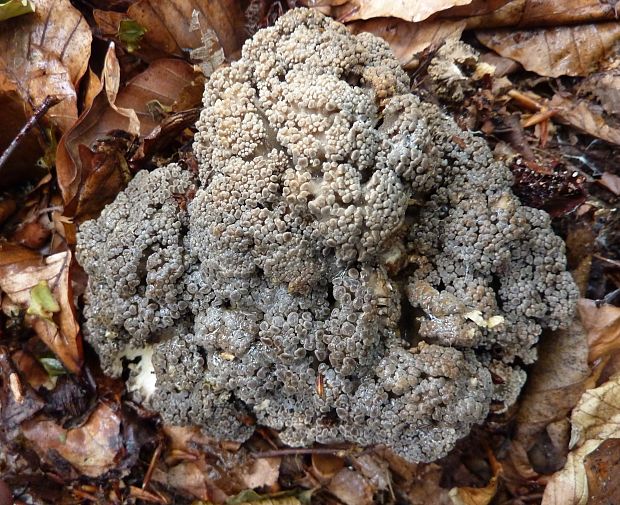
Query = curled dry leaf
x=595 y=419
x=75 y=165
x=584 y=117
x=478 y=495
x=555 y=384
x=408 y=40
x=92 y=449
x=408 y=10
x=22 y=270
x=46 y=53
x=602 y=325
x=552 y=52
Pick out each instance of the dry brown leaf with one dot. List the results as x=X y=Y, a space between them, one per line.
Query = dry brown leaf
x=552 y=52
x=611 y=182
x=595 y=419
x=555 y=384
x=408 y=40
x=20 y=272
x=261 y=472
x=351 y=488
x=478 y=495
x=606 y=88
x=534 y=13
x=602 y=469
x=46 y=53
x=168 y=24
x=74 y=148
x=602 y=325
x=92 y=449
x=580 y=115
x=161 y=84
x=408 y=10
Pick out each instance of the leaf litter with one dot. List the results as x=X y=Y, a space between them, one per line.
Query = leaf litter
x=545 y=103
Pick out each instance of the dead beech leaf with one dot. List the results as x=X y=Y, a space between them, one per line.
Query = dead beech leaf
x=552 y=52
x=408 y=40
x=408 y=10
x=95 y=123
x=611 y=182
x=595 y=419
x=580 y=115
x=536 y=14
x=17 y=279
x=92 y=449
x=201 y=466
x=554 y=385
x=17 y=398
x=602 y=325
x=262 y=472
x=602 y=468
x=351 y=488
x=46 y=53
x=168 y=24
x=161 y=84
x=474 y=495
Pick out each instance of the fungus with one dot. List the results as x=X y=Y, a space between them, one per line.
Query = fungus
x=353 y=266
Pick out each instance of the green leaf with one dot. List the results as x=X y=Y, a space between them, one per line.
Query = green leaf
x=13 y=8
x=42 y=301
x=53 y=366
x=130 y=33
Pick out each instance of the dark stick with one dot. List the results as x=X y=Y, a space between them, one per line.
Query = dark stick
x=301 y=451
x=40 y=111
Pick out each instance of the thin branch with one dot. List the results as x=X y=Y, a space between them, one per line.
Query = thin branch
x=41 y=110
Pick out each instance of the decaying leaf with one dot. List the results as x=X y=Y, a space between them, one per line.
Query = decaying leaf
x=552 y=52
x=13 y=8
x=602 y=326
x=46 y=53
x=92 y=449
x=81 y=177
x=162 y=83
x=595 y=419
x=170 y=27
x=536 y=14
x=478 y=495
x=408 y=10
x=602 y=470
x=554 y=385
x=20 y=273
x=408 y=40
x=18 y=401
x=351 y=488
x=582 y=116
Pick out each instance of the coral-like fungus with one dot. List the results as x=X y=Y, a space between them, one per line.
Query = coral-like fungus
x=352 y=267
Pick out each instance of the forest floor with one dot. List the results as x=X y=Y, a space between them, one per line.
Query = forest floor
x=92 y=91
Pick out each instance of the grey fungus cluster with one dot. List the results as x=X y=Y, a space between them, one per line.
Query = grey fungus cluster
x=347 y=265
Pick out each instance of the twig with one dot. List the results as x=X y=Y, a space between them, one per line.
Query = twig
x=539 y=117
x=151 y=468
x=276 y=453
x=525 y=101
x=40 y=111
x=608 y=298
